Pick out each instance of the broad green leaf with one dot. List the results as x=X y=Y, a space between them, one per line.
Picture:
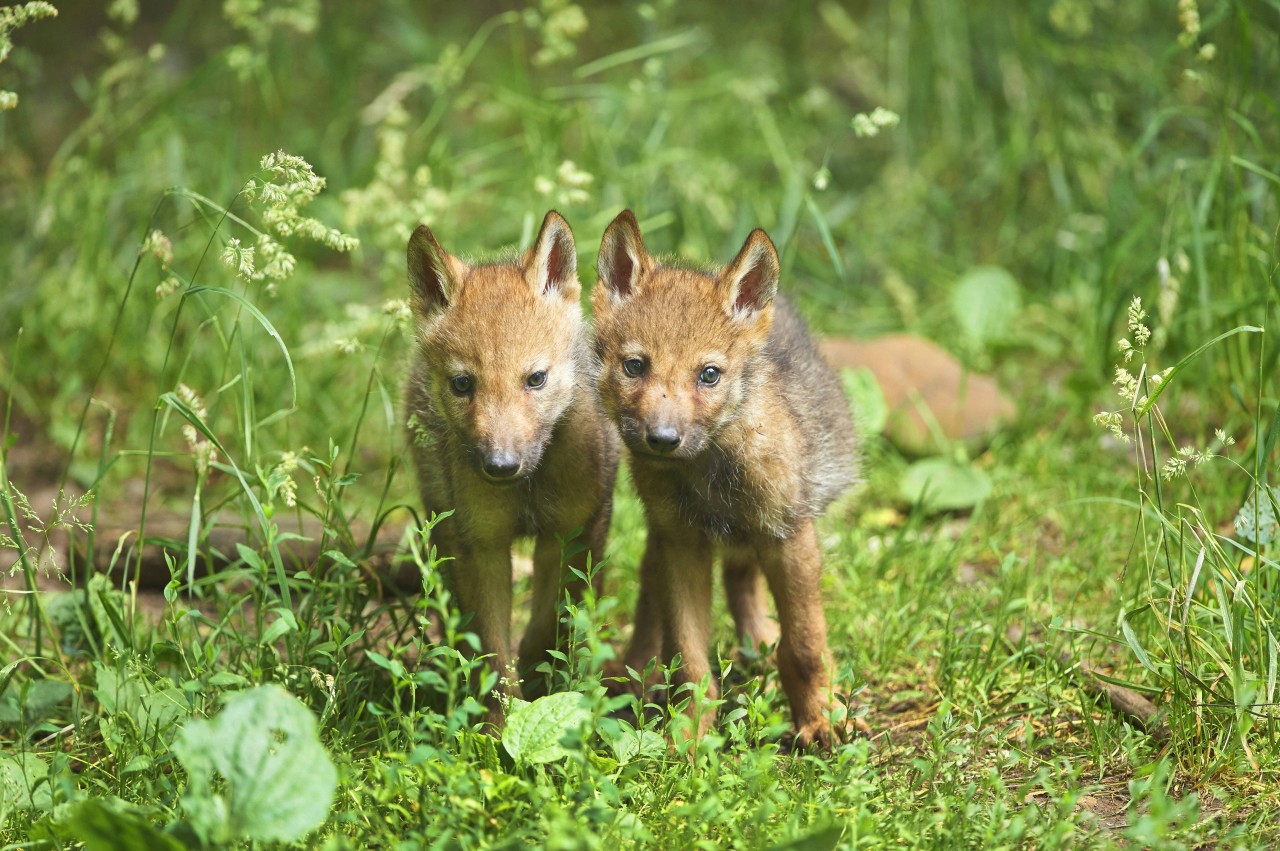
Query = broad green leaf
x=823 y=839
x=534 y=731
x=228 y=678
x=139 y=762
x=107 y=824
x=280 y=780
x=79 y=631
x=22 y=784
x=284 y=624
x=251 y=558
x=341 y=559
x=631 y=743
x=942 y=484
x=37 y=703
x=986 y=302
x=153 y=710
x=870 y=411
x=394 y=666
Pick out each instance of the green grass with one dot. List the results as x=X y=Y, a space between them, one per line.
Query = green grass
x=1095 y=151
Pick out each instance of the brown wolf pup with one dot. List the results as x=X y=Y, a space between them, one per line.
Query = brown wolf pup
x=739 y=436
x=506 y=430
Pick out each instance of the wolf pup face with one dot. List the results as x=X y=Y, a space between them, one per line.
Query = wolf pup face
x=677 y=345
x=499 y=341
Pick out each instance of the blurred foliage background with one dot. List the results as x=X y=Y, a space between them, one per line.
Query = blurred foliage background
x=1083 y=145
x=1001 y=178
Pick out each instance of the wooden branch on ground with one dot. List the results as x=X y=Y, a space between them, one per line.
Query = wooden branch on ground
x=1126 y=702
x=300 y=549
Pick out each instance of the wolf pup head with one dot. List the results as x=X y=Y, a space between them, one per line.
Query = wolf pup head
x=678 y=347
x=503 y=344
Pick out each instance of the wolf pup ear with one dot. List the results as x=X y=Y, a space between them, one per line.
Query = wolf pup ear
x=551 y=267
x=750 y=282
x=623 y=259
x=434 y=274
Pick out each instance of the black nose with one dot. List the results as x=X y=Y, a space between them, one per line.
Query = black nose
x=663 y=438
x=501 y=465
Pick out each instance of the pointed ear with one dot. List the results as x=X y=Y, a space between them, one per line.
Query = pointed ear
x=623 y=259
x=750 y=282
x=434 y=274
x=551 y=266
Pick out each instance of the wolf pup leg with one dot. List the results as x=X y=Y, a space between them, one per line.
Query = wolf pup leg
x=746 y=591
x=552 y=577
x=794 y=570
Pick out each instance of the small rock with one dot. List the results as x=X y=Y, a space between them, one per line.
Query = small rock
x=926 y=391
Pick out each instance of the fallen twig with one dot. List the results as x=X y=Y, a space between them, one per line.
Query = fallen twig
x=1126 y=702
x=167 y=533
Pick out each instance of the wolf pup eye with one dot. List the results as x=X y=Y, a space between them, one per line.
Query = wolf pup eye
x=709 y=375
x=633 y=367
x=536 y=379
x=462 y=385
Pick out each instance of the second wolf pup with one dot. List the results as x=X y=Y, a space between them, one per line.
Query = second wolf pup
x=739 y=436
x=506 y=430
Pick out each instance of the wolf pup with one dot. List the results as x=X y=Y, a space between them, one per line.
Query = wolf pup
x=739 y=436
x=506 y=430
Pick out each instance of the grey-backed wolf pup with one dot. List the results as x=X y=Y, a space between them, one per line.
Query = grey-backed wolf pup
x=739 y=436
x=506 y=430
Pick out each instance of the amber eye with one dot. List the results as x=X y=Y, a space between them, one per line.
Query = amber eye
x=462 y=385
x=536 y=379
x=709 y=375
x=633 y=367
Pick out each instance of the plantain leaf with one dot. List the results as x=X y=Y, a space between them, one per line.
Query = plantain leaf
x=280 y=780
x=108 y=824
x=943 y=484
x=535 y=731
x=154 y=710
x=986 y=302
x=23 y=784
